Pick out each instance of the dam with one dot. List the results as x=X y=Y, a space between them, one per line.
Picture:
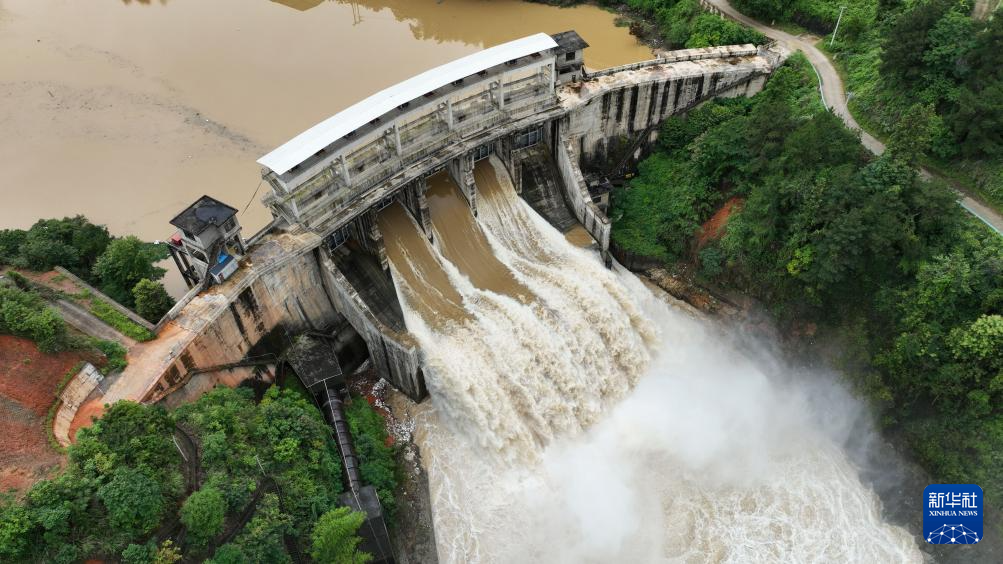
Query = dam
x=451 y=231
x=530 y=106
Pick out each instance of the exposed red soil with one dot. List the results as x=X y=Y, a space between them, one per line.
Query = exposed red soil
x=15 y=479
x=85 y=417
x=19 y=438
x=714 y=227
x=28 y=381
x=53 y=280
x=29 y=376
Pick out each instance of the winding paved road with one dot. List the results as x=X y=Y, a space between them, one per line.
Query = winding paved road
x=834 y=97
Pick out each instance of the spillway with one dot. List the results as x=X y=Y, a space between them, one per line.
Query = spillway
x=576 y=417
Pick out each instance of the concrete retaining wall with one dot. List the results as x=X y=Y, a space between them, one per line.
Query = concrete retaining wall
x=74 y=394
x=607 y=112
x=576 y=194
x=394 y=355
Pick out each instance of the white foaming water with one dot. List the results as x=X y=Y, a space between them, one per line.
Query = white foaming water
x=700 y=454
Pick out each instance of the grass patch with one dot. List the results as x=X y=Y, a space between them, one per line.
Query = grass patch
x=120 y=322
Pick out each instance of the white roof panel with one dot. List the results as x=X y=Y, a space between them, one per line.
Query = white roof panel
x=301 y=147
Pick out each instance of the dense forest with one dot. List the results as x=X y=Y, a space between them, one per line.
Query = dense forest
x=260 y=483
x=926 y=75
x=884 y=262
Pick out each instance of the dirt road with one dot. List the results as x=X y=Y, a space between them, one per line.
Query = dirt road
x=834 y=97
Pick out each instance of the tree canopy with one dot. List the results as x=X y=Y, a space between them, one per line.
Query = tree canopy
x=335 y=538
x=124 y=264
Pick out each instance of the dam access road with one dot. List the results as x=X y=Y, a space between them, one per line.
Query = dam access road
x=834 y=97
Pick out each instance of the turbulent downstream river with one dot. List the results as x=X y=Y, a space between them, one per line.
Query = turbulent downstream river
x=575 y=416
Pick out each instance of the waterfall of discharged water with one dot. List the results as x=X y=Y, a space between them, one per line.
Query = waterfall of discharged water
x=576 y=417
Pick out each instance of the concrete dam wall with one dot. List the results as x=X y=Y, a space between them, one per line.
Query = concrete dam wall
x=324 y=263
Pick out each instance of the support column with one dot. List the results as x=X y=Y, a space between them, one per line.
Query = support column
x=461 y=170
x=507 y=155
x=417 y=205
x=397 y=140
x=371 y=238
x=177 y=262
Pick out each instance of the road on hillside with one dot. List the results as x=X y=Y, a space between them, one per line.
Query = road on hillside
x=834 y=96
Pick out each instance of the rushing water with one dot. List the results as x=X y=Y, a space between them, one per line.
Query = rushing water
x=702 y=452
x=127 y=111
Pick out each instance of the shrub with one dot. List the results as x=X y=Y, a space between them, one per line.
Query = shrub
x=376 y=460
x=24 y=314
x=152 y=300
x=335 y=538
x=204 y=513
x=114 y=352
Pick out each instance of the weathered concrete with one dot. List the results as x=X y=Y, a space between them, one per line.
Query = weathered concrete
x=395 y=354
x=616 y=105
x=277 y=289
x=576 y=194
x=73 y=395
x=540 y=185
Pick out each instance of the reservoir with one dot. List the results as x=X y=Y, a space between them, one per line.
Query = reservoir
x=126 y=111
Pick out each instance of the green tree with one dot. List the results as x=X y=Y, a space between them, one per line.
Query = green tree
x=15 y=526
x=134 y=500
x=228 y=554
x=152 y=300
x=71 y=242
x=907 y=40
x=262 y=537
x=204 y=513
x=139 y=554
x=335 y=538
x=123 y=264
x=978 y=121
x=39 y=252
x=129 y=433
x=914 y=133
x=10 y=245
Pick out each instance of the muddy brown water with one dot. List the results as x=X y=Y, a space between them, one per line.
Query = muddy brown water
x=463 y=243
x=127 y=111
x=421 y=277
